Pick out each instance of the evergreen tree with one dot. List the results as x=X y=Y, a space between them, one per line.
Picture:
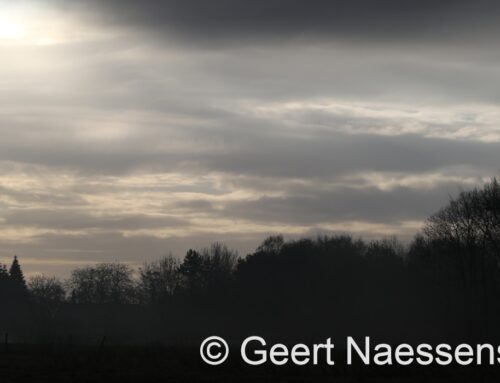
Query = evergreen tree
x=4 y=275
x=193 y=270
x=4 y=282
x=17 y=282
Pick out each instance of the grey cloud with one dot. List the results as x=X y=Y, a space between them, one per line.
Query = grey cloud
x=364 y=205
x=195 y=205
x=253 y=147
x=69 y=219
x=48 y=197
x=180 y=83
x=336 y=154
x=239 y=22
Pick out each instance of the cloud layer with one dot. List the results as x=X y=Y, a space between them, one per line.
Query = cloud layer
x=130 y=129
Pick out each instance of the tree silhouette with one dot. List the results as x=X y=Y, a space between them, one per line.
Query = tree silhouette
x=48 y=297
x=105 y=283
x=446 y=280
x=192 y=270
x=4 y=282
x=466 y=235
x=159 y=280
x=47 y=291
x=17 y=282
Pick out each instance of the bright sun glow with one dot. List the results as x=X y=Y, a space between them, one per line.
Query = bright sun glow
x=11 y=29
x=34 y=23
x=31 y=24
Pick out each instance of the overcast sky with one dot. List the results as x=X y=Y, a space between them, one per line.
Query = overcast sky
x=130 y=128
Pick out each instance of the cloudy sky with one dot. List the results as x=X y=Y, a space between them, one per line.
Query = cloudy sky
x=132 y=128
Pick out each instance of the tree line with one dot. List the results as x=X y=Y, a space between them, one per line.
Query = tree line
x=443 y=285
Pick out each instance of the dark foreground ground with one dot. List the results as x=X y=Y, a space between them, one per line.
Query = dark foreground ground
x=183 y=364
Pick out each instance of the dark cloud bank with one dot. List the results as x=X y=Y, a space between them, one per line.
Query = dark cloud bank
x=236 y=21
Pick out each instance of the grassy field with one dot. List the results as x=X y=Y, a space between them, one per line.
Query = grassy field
x=161 y=364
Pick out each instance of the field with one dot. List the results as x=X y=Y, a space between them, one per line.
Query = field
x=161 y=364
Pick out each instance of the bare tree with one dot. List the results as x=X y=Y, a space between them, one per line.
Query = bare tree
x=48 y=294
x=103 y=283
x=468 y=228
x=159 y=280
x=212 y=268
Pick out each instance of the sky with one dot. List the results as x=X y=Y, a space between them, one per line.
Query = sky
x=130 y=129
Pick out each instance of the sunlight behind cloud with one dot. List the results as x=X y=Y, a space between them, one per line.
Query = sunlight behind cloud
x=27 y=24
x=12 y=23
x=30 y=23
